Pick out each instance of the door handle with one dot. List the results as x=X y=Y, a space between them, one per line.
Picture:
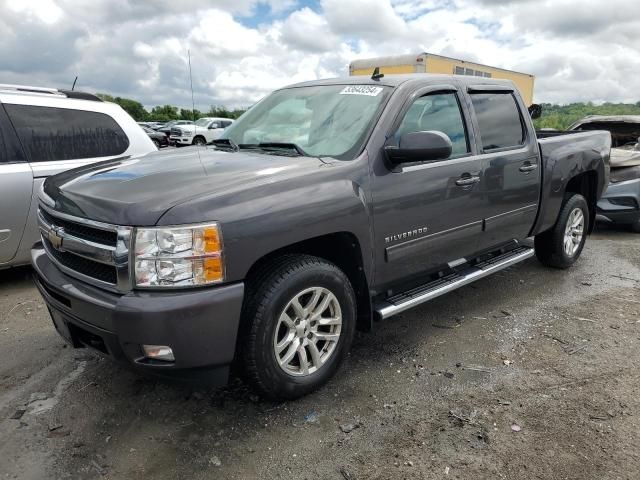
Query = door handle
x=466 y=181
x=530 y=167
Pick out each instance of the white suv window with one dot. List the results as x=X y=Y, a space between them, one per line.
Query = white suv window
x=49 y=133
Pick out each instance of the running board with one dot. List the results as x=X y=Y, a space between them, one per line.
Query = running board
x=411 y=298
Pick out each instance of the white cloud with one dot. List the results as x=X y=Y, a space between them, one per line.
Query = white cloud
x=138 y=48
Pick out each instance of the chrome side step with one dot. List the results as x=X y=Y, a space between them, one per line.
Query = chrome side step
x=409 y=299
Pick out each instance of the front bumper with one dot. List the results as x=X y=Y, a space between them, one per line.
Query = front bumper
x=199 y=325
x=180 y=140
x=621 y=202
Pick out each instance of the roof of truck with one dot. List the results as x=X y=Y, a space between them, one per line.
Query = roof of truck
x=390 y=80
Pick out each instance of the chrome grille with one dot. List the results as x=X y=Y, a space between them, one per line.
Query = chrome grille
x=95 y=252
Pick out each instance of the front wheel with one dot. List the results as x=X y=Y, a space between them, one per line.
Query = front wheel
x=199 y=141
x=561 y=246
x=298 y=325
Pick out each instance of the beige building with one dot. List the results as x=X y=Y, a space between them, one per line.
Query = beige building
x=430 y=63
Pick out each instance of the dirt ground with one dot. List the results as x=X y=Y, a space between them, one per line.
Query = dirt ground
x=530 y=374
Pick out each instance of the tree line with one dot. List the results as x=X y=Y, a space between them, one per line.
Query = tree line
x=164 y=113
x=554 y=116
x=560 y=117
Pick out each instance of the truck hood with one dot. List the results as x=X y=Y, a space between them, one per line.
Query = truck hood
x=139 y=191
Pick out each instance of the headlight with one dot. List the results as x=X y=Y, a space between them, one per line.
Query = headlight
x=187 y=133
x=179 y=256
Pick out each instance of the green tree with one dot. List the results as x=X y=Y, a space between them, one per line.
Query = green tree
x=164 y=113
x=186 y=114
x=132 y=107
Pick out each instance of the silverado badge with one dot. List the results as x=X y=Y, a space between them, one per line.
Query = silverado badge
x=416 y=232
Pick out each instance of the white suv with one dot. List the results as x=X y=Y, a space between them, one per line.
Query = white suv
x=44 y=131
x=204 y=131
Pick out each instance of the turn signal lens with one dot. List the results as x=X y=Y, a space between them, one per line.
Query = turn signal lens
x=213 y=271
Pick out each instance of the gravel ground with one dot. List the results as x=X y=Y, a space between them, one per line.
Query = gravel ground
x=531 y=373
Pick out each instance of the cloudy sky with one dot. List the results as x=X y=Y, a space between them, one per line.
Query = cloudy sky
x=242 y=49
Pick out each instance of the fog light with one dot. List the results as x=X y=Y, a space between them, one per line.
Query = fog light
x=158 y=352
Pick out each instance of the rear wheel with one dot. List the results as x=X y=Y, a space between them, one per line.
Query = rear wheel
x=298 y=325
x=561 y=246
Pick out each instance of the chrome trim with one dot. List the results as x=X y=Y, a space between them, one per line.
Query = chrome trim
x=118 y=255
x=388 y=310
x=78 y=275
x=85 y=221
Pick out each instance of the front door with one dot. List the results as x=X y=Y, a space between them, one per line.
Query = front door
x=16 y=184
x=426 y=215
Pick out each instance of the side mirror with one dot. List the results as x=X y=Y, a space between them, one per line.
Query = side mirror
x=535 y=110
x=420 y=147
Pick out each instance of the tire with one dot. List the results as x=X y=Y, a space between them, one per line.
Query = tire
x=269 y=333
x=635 y=227
x=550 y=246
x=199 y=141
x=156 y=143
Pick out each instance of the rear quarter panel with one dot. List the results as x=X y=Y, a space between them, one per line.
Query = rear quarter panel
x=563 y=158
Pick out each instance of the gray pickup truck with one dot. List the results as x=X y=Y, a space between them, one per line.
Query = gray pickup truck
x=328 y=205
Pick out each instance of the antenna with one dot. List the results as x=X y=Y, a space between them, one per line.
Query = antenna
x=376 y=75
x=193 y=104
x=74 y=83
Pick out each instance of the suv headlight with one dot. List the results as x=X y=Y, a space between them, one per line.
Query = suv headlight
x=178 y=256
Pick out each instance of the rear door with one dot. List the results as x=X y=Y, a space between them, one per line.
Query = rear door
x=426 y=214
x=510 y=163
x=16 y=184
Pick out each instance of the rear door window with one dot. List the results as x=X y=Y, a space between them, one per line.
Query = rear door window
x=499 y=120
x=10 y=149
x=49 y=133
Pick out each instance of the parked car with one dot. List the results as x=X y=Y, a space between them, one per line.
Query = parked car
x=159 y=139
x=166 y=128
x=621 y=202
x=204 y=131
x=44 y=132
x=272 y=251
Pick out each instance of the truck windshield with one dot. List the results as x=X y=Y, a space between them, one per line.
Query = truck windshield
x=326 y=120
x=203 y=122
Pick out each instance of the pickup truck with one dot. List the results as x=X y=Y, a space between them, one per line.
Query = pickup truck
x=328 y=205
x=204 y=131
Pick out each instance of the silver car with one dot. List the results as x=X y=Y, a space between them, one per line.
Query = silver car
x=45 y=131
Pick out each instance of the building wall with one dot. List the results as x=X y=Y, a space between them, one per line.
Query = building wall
x=447 y=66
x=524 y=82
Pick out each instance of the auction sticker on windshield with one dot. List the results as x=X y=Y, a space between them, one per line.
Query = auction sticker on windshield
x=368 y=90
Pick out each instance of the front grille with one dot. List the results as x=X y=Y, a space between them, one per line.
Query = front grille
x=99 y=271
x=82 y=231
x=176 y=132
x=95 y=252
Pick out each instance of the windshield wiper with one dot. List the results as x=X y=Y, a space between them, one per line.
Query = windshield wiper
x=281 y=148
x=225 y=144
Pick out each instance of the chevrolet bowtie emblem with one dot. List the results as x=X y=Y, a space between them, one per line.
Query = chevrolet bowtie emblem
x=55 y=237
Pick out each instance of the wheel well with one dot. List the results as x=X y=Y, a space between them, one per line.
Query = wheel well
x=586 y=184
x=341 y=249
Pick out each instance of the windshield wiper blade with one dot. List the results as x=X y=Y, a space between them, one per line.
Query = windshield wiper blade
x=225 y=143
x=283 y=146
